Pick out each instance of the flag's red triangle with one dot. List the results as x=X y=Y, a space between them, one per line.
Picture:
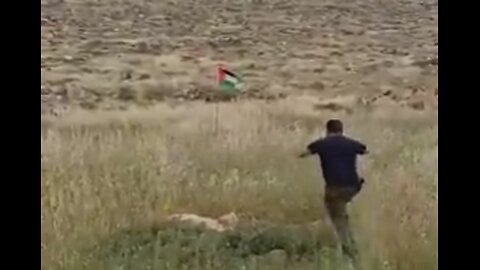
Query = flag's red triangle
x=220 y=73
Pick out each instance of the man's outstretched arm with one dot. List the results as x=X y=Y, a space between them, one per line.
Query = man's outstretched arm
x=311 y=149
x=360 y=148
x=305 y=154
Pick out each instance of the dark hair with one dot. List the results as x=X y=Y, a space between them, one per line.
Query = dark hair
x=334 y=126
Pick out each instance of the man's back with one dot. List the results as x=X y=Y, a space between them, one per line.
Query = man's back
x=338 y=156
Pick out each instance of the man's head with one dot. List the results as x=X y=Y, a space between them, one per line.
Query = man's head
x=334 y=127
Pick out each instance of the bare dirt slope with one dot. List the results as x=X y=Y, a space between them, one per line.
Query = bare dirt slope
x=115 y=53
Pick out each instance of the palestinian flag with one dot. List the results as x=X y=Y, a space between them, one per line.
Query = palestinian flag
x=228 y=81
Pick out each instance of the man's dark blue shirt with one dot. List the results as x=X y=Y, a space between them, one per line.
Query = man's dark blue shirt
x=338 y=158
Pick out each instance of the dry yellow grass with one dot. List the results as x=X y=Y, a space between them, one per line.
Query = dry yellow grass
x=103 y=172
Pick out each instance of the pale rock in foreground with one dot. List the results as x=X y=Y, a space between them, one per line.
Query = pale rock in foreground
x=223 y=223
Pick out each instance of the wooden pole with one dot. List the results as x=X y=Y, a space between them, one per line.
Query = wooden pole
x=216 y=116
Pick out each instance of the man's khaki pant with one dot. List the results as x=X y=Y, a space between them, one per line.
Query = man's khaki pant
x=336 y=200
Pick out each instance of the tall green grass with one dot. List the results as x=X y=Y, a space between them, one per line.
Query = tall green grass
x=109 y=179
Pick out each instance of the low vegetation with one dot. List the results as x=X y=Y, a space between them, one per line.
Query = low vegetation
x=110 y=179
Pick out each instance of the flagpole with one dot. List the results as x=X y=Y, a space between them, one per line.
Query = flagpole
x=216 y=116
x=220 y=77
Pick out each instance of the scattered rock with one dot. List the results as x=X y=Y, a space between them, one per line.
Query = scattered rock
x=339 y=103
x=428 y=62
x=335 y=107
x=318 y=70
x=329 y=106
x=318 y=86
x=126 y=93
x=388 y=63
x=336 y=53
x=186 y=57
x=387 y=93
x=44 y=90
x=126 y=75
x=87 y=105
x=417 y=105
x=144 y=76
x=141 y=47
x=224 y=223
x=352 y=30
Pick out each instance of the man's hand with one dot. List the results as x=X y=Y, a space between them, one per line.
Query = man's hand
x=304 y=154
x=361 y=181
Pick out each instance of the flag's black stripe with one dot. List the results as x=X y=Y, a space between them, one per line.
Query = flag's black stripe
x=229 y=73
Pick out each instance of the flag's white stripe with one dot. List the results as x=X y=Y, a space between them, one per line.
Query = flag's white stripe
x=231 y=79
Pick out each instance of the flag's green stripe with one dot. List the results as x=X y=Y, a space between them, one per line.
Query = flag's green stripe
x=228 y=86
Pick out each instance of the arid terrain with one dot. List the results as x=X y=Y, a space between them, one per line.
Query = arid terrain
x=114 y=54
x=135 y=130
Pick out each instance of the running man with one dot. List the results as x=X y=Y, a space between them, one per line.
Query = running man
x=338 y=155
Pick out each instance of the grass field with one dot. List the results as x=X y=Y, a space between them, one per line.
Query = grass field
x=109 y=179
x=127 y=139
